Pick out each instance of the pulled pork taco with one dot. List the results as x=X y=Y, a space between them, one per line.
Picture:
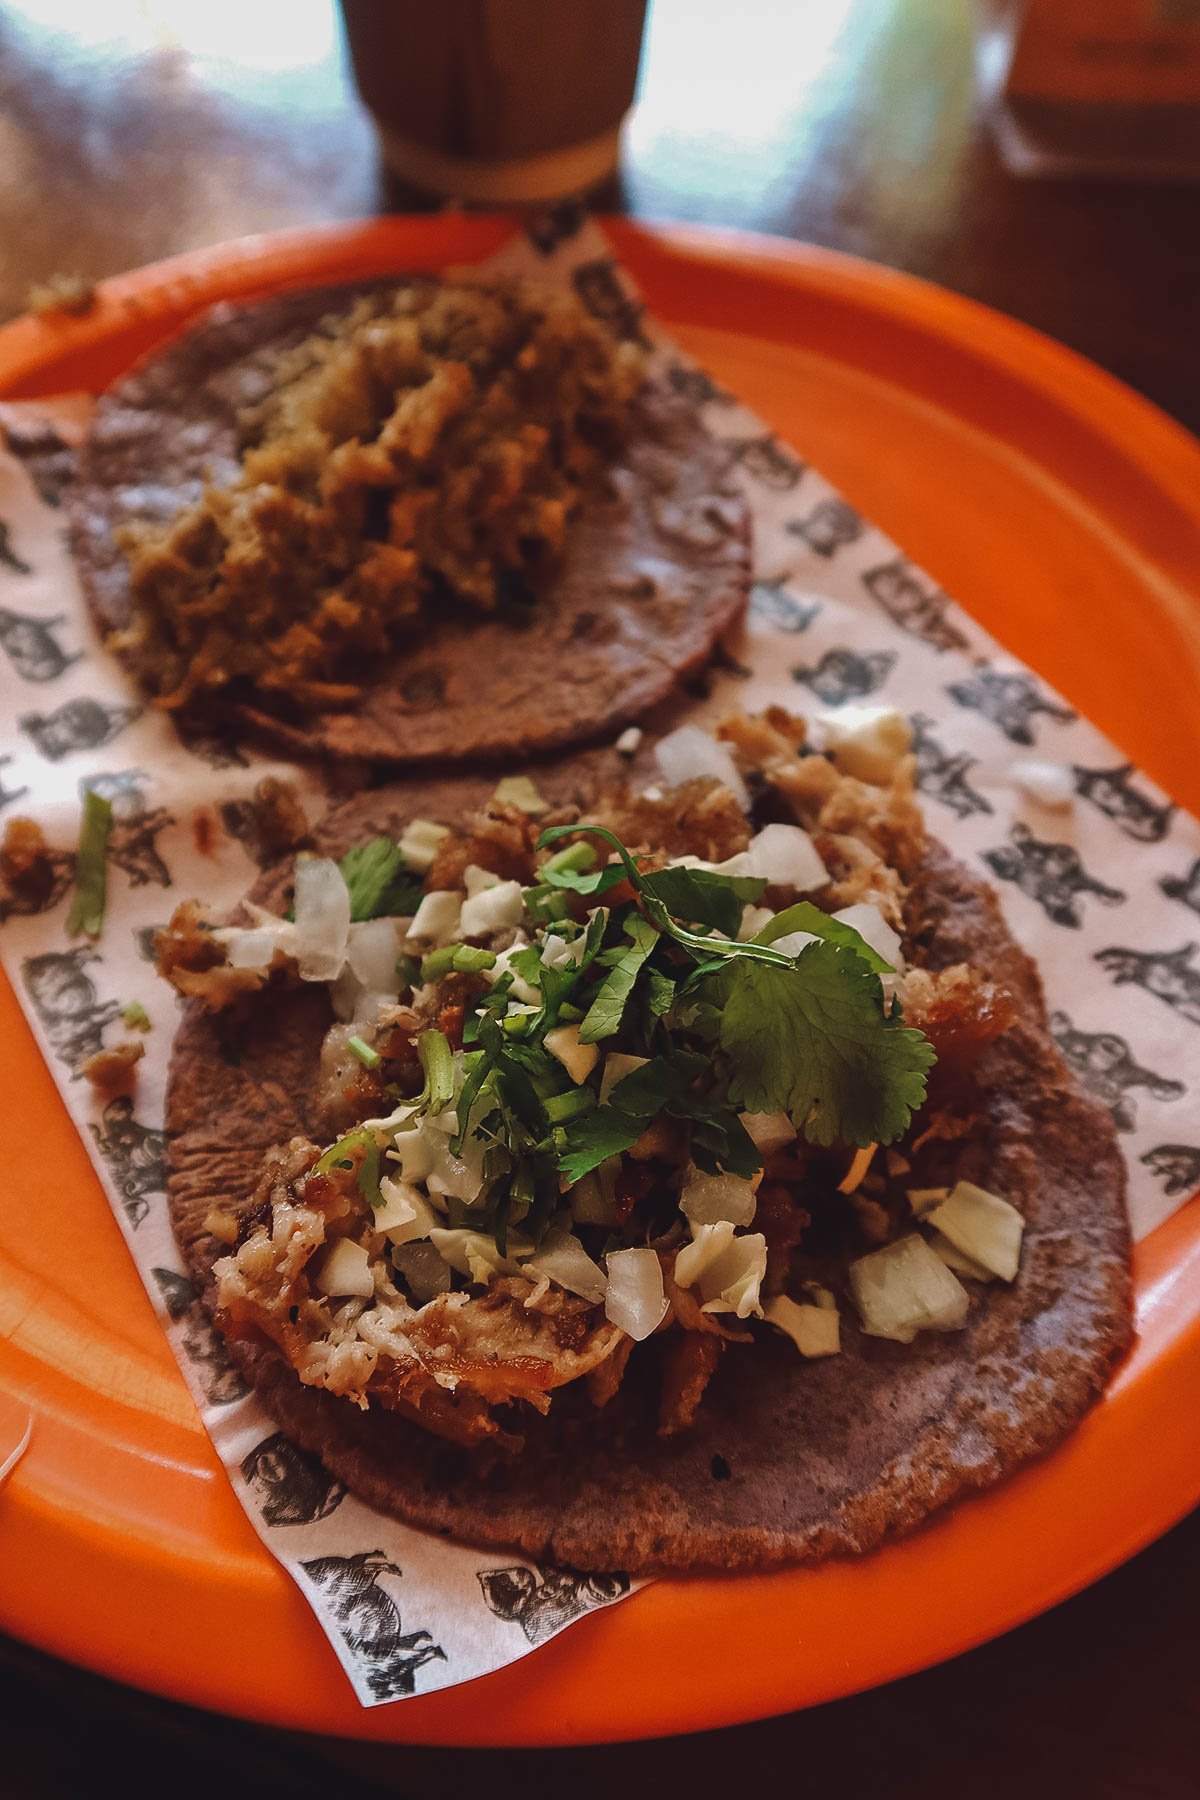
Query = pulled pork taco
x=406 y=520
x=645 y=1176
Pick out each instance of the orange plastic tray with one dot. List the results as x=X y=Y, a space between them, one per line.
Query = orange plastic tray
x=1065 y=513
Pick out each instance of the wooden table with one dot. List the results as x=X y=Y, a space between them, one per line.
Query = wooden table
x=130 y=131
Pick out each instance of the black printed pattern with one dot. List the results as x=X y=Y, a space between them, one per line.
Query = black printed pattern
x=843 y=675
x=32 y=646
x=1112 y=792
x=8 y=556
x=1050 y=874
x=542 y=1601
x=8 y=795
x=695 y=385
x=135 y=1154
x=942 y=774
x=1177 y=1166
x=368 y=1621
x=1184 y=888
x=220 y=1382
x=556 y=226
x=829 y=526
x=913 y=605
x=143 y=937
x=600 y=292
x=1167 y=974
x=767 y=460
x=290 y=1486
x=1009 y=701
x=64 y=997
x=132 y=843
x=48 y=458
x=82 y=724
x=771 y=604
x=1105 y=1065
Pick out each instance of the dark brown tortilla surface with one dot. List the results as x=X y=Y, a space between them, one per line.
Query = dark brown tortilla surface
x=789 y=1460
x=653 y=571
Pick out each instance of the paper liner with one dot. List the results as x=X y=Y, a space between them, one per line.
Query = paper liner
x=1099 y=876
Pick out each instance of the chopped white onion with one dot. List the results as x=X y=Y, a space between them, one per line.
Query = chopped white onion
x=874 y=930
x=867 y=742
x=726 y=1269
x=793 y=942
x=406 y=1214
x=815 y=1330
x=768 y=1131
x=419 y=841
x=905 y=1288
x=371 y=952
x=783 y=855
x=923 y=1200
x=630 y=741
x=1051 y=784
x=634 y=1300
x=412 y=1150
x=690 y=753
x=345 y=1270
x=322 y=907
x=563 y=1258
x=593 y=1199
x=577 y=1059
x=254 y=946
x=474 y=1254
x=436 y=920
x=460 y=1177
x=521 y=792
x=708 y=1199
x=616 y=1067
x=520 y=989
x=983 y=1226
x=954 y=1259
x=424 y=1268
x=476 y=879
x=492 y=909
x=754 y=920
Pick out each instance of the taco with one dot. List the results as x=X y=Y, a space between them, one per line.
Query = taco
x=406 y=521
x=646 y=1176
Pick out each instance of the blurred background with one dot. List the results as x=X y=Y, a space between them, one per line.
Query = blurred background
x=132 y=129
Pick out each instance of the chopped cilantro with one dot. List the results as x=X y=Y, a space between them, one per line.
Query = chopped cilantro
x=607 y=1009
x=91 y=867
x=381 y=884
x=705 y=898
x=804 y=916
x=433 y=1051
x=135 y=1016
x=813 y=1041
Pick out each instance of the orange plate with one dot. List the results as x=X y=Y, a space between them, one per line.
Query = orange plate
x=1064 y=511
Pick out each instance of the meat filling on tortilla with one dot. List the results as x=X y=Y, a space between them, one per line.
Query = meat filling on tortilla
x=648 y=1073
x=426 y=449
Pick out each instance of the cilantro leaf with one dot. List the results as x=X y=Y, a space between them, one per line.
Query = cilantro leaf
x=604 y=1015
x=703 y=897
x=813 y=1041
x=381 y=884
x=91 y=866
x=594 y=1138
x=804 y=916
x=660 y=993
